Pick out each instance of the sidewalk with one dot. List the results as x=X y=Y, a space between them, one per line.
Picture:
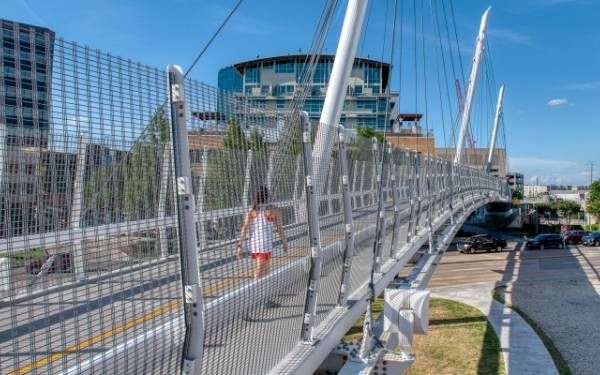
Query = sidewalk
x=523 y=351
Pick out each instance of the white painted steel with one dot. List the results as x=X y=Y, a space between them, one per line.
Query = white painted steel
x=336 y=90
x=497 y=117
x=466 y=116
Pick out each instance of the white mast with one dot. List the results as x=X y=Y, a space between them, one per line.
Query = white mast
x=336 y=91
x=495 y=129
x=472 y=83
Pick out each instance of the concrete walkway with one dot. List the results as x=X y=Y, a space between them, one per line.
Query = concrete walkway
x=523 y=351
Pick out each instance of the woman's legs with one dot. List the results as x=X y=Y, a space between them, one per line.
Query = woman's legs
x=262 y=268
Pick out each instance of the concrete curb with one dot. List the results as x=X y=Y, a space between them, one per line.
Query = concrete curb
x=523 y=351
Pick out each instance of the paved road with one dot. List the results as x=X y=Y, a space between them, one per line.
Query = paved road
x=516 y=264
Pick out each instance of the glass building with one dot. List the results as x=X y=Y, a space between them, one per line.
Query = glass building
x=271 y=83
x=25 y=100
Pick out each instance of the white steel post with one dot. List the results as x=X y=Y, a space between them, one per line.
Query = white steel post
x=77 y=208
x=336 y=91
x=495 y=129
x=247 y=171
x=348 y=219
x=194 y=317
x=314 y=234
x=472 y=84
x=162 y=199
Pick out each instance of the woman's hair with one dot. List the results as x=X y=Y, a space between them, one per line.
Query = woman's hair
x=261 y=197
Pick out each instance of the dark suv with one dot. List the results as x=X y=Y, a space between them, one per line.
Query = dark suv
x=481 y=242
x=542 y=241
x=574 y=236
x=592 y=239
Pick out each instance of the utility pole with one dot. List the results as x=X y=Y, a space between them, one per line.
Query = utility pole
x=472 y=84
x=495 y=129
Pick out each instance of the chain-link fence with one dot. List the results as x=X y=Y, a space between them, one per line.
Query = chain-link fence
x=92 y=241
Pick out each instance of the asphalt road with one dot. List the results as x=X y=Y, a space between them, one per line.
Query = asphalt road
x=516 y=264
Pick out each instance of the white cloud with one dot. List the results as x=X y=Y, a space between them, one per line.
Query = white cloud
x=510 y=36
x=550 y=171
x=557 y=102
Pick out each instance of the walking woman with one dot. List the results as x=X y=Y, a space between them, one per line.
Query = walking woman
x=261 y=221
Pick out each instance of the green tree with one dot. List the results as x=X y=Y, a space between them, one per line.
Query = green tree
x=516 y=194
x=130 y=184
x=593 y=202
x=568 y=209
x=224 y=182
x=546 y=209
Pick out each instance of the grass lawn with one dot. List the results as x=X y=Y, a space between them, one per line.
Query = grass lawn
x=460 y=341
x=18 y=258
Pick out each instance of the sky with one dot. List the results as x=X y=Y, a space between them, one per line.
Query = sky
x=546 y=52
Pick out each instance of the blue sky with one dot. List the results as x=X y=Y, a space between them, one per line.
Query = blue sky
x=547 y=52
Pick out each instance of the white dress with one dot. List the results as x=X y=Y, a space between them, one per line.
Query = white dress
x=262 y=233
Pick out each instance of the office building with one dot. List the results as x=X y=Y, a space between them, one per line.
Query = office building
x=25 y=98
x=271 y=82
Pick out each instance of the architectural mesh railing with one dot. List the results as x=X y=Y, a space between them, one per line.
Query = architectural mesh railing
x=91 y=254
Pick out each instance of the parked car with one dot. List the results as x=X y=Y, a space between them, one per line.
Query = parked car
x=542 y=241
x=592 y=239
x=481 y=242
x=61 y=264
x=574 y=236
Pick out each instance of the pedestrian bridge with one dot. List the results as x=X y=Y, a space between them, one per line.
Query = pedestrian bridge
x=126 y=262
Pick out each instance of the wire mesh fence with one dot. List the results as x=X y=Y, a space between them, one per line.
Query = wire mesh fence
x=88 y=261
x=90 y=251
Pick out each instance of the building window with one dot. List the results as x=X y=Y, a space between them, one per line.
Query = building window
x=23 y=35
x=284 y=67
x=366 y=104
x=280 y=104
x=248 y=89
x=13 y=168
x=376 y=89
x=372 y=75
x=313 y=105
x=268 y=65
x=321 y=73
x=9 y=52
x=264 y=89
x=252 y=75
x=358 y=90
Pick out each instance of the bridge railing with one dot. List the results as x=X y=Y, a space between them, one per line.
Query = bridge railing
x=90 y=239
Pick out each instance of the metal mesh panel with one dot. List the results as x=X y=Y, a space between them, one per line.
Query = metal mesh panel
x=88 y=260
x=241 y=197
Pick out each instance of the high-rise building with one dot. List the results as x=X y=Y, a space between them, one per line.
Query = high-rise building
x=25 y=98
x=270 y=83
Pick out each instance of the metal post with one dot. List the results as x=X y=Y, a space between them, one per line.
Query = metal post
x=77 y=208
x=355 y=189
x=247 y=178
x=380 y=225
x=413 y=196
x=396 y=202
x=375 y=177
x=362 y=183
x=270 y=170
x=162 y=199
x=418 y=193
x=299 y=213
x=200 y=197
x=348 y=219
x=329 y=191
x=471 y=89
x=194 y=333
x=495 y=129
x=338 y=84
x=314 y=234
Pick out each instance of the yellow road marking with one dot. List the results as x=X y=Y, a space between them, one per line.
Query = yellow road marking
x=143 y=318
x=95 y=339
